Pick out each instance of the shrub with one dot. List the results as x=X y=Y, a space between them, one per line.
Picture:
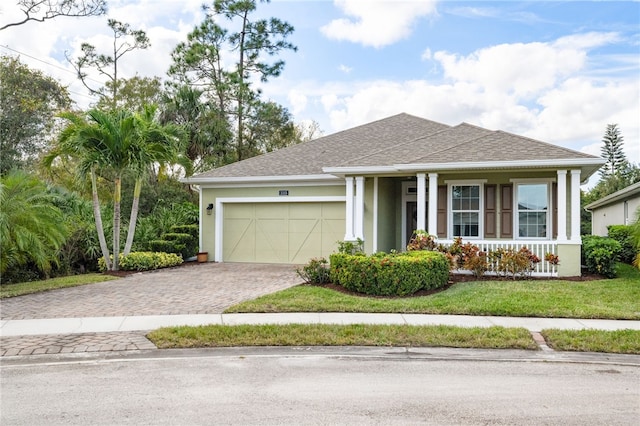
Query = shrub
x=600 y=255
x=623 y=235
x=166 y=246
x=351 y=247
x=552 y=258
x=390 y=274
x=187 y=240
x=477 y=263
x=420 y=240
x=193 y=230
x=144 y=261
x=315 y=272
x=513 y=263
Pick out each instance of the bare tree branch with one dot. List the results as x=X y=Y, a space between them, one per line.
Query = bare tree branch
x=42 y=10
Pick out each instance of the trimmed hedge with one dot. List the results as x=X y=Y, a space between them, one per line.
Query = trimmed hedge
x=623 y=235
x=393 y=274
x=166 y=246
x=193 y=230
x=600 y=254
x=143 y=261
x=190 y=244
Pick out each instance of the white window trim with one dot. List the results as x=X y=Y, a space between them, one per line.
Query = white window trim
x=476 y=182
x=533 y=180
x=550 y=207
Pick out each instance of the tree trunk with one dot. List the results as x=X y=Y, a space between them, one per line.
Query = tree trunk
x=116 y=222
x=134 y=216
x=241 y=88
x=98 y=218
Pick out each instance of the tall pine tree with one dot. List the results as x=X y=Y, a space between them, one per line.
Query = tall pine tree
x=612 y=151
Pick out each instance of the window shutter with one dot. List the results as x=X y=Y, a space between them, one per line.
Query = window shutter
x=442 y=211
x=490 y=230
x=506 y=222
x=554 y=202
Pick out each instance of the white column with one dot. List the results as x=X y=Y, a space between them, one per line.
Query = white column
x=562 y=205
x=201 y=218
x=375 y=215
x=349 y=214
x=422 y=201
x=433 y=204
x=359 y=210
x=219 y=222
x=575 y=205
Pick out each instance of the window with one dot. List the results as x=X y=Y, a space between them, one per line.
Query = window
x=465 y=210
x=533 y=210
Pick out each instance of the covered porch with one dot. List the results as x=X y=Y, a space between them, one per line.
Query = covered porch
x=539 y=209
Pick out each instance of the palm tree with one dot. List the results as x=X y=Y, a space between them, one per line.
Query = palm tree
x=32 y=229
x=114 y=143
x=80 y=139
x=156 y=144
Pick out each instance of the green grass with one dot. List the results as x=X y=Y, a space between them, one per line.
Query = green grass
x=617 y=298
x=19 y=289
x=341 y=335
x=619 y=342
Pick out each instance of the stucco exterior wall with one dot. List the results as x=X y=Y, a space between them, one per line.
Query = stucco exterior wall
x=613 y=214
x=388 y=225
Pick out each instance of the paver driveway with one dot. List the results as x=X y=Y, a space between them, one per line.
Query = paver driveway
x=204 y=288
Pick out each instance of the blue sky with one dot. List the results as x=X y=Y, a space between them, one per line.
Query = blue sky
x=555 y=71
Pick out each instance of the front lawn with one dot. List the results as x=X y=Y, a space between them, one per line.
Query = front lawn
x=617 y=298
x=19 y=289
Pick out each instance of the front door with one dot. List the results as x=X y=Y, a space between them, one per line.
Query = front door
x=411 y=219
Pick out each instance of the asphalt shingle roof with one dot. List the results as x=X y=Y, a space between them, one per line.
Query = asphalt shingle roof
x=400 y=139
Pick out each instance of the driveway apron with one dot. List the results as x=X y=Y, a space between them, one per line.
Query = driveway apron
x=203 y=288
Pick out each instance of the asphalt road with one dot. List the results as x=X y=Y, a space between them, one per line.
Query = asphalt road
x=302 y=386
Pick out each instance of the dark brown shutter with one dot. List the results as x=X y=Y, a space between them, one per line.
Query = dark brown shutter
x=554 y=202
x=506 y=216
x=442 y=211
x=490 y=230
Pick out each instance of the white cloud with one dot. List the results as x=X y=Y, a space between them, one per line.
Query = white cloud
x=297 y=100
x=377 y=23
x=329 y=101
x=426 y=55
x=542 y=90
x=523 y=69
x=345 y=69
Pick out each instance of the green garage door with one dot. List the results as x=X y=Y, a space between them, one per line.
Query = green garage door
x=281 y=232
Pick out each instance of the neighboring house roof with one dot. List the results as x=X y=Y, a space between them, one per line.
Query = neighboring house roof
x=630 y=191
x=403 y=143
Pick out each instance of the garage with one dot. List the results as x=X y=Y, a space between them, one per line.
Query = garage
x=284 y=232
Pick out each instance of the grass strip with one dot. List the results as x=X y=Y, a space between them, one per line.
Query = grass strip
x=341 y=335
x=618 y=342
x=19 y=289
x=607 y=299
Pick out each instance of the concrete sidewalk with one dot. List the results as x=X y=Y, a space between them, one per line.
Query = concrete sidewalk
x=68 y=326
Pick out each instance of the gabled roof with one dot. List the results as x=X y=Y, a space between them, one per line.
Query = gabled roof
x=631 y=191
x=398 y=144
x=310 y=157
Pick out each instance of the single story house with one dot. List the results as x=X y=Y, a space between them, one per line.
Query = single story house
x=381 y=181
x=618 y=208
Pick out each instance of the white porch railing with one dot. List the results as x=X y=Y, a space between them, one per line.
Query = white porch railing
x=537 y=247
